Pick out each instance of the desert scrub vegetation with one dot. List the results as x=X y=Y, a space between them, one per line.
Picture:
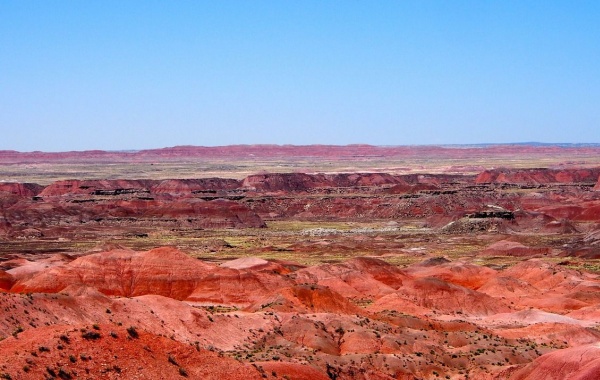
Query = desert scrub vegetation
x=133 y=333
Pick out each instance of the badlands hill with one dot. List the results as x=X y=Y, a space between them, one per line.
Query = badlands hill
x=160 y=313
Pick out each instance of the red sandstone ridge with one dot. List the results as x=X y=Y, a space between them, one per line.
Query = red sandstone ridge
x=597 y=187
x=111 y=206
x=20 y=189
x=115 y=187
x=292 y=182
x=539 y=176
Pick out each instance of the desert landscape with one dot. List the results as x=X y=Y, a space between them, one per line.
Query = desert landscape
x=301 y=262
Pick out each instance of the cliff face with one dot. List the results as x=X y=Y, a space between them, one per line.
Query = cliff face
x=195 y=203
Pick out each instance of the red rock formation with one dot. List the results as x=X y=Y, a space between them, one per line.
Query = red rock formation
x=363 y=316
x=513 y=248
x=239 y=288
x=356 y=278
x=6 y=280
x=178 y=187
x=163 y=271
x=463 y=274
x=577 y=363
x=538 y=176
x=298 y=182
x=20 y=189
x=256 y=264
x=96 y=187
x=112 y=351
x=61 y=211
x=5 y=226
x=434 y=294
x=307 y=299
x=294 y=371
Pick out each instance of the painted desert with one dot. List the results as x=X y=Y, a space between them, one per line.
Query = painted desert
x=301 y=262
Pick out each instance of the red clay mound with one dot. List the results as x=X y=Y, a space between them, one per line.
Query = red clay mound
x=463 y=274
x=208 y=186
x=544 y=276
x=308 y=299
x=597 y=187
x=444 y=297
x=163 y=271
x=405 y=188
x=577 y=211
x=508 y=287
x=591 y=212
x=4 y=226
x=553 y=333
x=287 y=182
x=562 y=226
x=239 y=288
x=6 y=280
x=578 y=363
x=22 y=269
x=96 y=187
x=299 y=182
x=356 y=278
x=111 y=352
x=512 y=248
x=21 y=189
x=538 y=176
x=294 y=371
x=256 y=264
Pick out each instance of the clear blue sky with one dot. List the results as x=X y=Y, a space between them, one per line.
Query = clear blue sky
x=78 y=75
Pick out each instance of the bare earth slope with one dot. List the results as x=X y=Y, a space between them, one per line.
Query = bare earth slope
x=360 y=319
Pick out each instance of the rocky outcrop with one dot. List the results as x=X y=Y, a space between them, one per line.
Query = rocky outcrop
x=130 y=210
x=96 y=187
x=300 y=182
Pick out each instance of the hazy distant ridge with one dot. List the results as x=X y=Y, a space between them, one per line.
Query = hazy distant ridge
x=356 y=151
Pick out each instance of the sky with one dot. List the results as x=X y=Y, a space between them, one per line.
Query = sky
x=116 y=75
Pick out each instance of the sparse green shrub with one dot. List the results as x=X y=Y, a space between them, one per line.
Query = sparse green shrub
x=172 y=360
x=91 y=335
x=132 y=331
x=183 y=372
